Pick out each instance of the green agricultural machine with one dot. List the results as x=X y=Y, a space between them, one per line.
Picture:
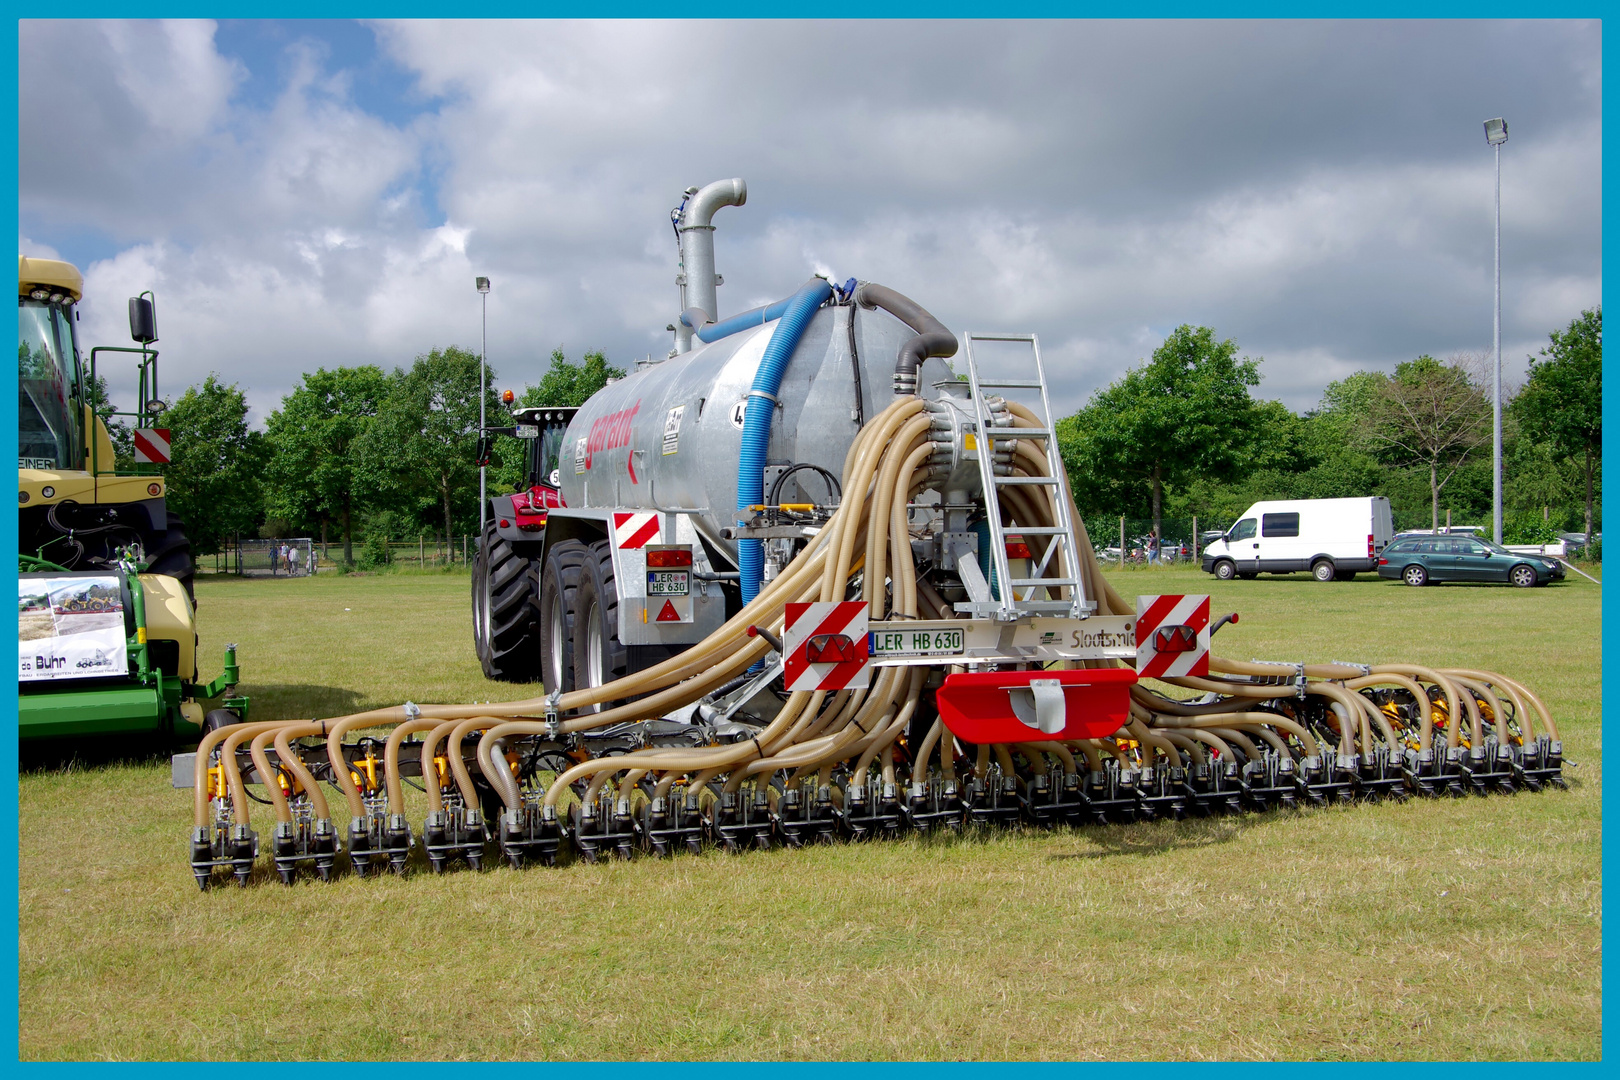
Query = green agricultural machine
x=106 y=617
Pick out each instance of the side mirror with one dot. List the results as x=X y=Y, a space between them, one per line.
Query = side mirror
x=142 y=320
x=486 y=447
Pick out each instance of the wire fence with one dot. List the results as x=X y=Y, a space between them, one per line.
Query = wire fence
x=304 y=556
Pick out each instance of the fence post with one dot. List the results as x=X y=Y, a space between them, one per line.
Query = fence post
x=421 y=551
x=1122 y=541
x=1197 y=540
x=464 y=549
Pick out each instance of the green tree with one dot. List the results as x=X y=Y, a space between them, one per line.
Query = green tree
x=312 y=438
x=563 y=384
x=1562 y=401
x=216 y=464
x=1185 y=414
x=420 y=448
x=123 y=441
x=1428 y=415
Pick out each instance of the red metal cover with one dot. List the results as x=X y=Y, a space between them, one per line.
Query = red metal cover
x=979 y=707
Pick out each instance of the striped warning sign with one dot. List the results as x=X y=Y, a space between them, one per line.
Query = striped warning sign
x=152 y=445
x=826 y=646
x=635 y=530
x=1172 y=636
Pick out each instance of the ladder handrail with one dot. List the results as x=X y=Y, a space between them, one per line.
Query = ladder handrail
x=1010 y=605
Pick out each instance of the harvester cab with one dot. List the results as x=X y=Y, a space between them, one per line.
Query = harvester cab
x=107 y=637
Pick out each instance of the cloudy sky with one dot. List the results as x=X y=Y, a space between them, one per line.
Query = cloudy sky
x=302 y=194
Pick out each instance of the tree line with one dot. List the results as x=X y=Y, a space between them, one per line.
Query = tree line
x=354 y=453
x=363 y=453
x=1180 y=435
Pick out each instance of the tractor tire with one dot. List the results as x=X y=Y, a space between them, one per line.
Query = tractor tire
x=219 y=718
x=506 y=619
x=559 y=588
x=169 y=553
x=599 y=657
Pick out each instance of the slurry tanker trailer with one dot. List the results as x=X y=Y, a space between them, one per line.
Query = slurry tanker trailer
x=818 y=575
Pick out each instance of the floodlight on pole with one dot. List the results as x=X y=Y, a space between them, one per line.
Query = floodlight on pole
x=1496 y=133
x=483 y=380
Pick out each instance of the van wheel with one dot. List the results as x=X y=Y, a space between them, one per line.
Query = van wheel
x=559 y=586
x=1415 y=576
x=1225 y=571
x=1322 y=570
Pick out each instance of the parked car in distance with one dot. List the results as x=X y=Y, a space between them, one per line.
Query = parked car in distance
x=1332 y=538
x=1433 y=560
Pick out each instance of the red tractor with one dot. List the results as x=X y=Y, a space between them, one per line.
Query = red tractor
x=506 y=620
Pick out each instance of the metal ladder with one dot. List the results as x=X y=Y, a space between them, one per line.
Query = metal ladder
x=1017 y=594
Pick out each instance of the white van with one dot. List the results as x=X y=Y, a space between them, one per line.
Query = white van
x=1332 y=538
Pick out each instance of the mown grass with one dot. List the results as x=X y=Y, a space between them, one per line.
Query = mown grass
x=1420 y=930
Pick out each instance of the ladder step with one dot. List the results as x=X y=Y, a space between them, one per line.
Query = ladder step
x=1035 y=530
x=1054 y=582
x=1033 y=607
x=1015 y=384
x=1026 y=481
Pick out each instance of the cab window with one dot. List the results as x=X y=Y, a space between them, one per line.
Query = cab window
x=1243 y=530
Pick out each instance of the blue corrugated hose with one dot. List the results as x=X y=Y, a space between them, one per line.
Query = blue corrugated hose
x=797 y=311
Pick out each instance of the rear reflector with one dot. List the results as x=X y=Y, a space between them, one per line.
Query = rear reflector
x=831 y=649
x=1370 y=551
x=532 y=522
x=669 y=556
x=1017 y=549
x=1176 y=639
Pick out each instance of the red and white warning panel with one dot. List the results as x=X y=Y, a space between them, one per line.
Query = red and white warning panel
x=1172 y=636
x=636 y=530
x=152 y=445
x=1033 y=706
x=825 y=646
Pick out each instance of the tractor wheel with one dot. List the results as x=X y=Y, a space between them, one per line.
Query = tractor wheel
x=169 y=553
x=506 y=623
x=559 y=586
x=599 y=658
x=219 y=718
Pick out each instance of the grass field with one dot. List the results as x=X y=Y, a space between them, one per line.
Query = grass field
x=1433 y=929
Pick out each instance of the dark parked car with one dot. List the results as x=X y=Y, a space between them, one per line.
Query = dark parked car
x=1424 y=560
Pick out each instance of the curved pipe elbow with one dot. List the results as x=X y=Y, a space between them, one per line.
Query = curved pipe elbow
x=711 y=197
x=933 y=338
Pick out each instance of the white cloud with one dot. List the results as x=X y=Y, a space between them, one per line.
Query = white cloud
x=1322 y=194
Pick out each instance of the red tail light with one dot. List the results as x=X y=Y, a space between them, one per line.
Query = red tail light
x=531 y=522
x=830 y=649
x=1383 y=562
x=1017 y=549
x=1175 y=639
x=1370 y=551
x=666 y=557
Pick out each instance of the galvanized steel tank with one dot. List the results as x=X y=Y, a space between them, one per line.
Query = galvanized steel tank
x=669 y=436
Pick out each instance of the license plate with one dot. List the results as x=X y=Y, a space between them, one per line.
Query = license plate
x=668 y=583
x=527 y=431
x=893 y=643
